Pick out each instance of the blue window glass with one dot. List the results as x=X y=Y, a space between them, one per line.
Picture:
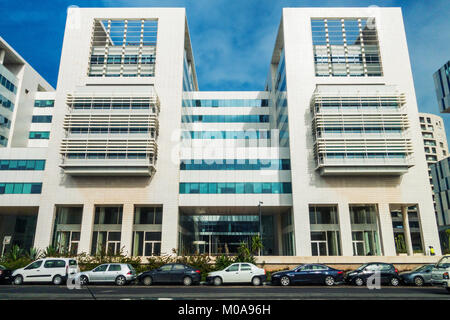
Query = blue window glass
x=20 y=188
x=44 y=103
x=41 y=119
x=39 y=135
x=235 y=188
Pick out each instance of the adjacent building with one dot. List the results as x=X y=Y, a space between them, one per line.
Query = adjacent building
x=26 y=109
x=442 y=85
x=440 y=172
x=141 y=161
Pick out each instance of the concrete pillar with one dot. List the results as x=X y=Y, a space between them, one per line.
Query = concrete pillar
x=2 y=56
x=345 y=229
x=302 y=230
x=170 y=229
x=279 y=236
x=407 y=232
x=126 y=235
x=44 y=226
x=386 y=230
x=87 y=225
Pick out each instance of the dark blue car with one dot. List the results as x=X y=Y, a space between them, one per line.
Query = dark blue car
x=309 y=274
x=171 y=273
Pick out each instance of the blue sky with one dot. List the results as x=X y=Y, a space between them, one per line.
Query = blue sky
x=232 y=39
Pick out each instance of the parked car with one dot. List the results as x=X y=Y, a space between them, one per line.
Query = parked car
x=440 y=274
x=118 y=273
x=419 y=276
x=238 y=273
x=309 y=274
x=5 y=275
x=54 y=270
x=171 y=273
x=388 y=274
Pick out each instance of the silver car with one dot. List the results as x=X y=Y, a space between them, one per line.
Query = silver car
x=118 y=273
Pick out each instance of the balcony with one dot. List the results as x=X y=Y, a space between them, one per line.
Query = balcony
x=100 y=167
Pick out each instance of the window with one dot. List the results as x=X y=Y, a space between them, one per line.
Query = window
x=34 y=265
x=235 y=188
x=114 y=267
x=44 y=103
x=234 y=267
x=20 y=188
x=55 y=264
x=246 y=267
x=166 y=267
x=364 y=223
x=22 y=164
x=6 y=103
x=41 y=119
x=8 y=84
x=101 y=268
x=39 y=135
x=178 y=267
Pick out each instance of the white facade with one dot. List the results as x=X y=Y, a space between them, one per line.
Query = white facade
x=324 y=179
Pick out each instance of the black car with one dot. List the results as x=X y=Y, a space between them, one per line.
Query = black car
x=388 y=274
x=309 y=274
x=171 y=273
x=5 y=275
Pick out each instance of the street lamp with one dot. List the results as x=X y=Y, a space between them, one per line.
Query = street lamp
x=260 y=224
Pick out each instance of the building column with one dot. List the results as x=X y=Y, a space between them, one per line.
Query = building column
x=345 y=227
x=279 y=235
x=126 y=234
x=386 y=230
x=44 y=226
x=169 y=238
x=407 y=231
x=87 y=225
x=302 y=230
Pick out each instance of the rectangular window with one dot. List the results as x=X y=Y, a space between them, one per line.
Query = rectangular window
x=41 y=119
x=235 y=188
x=21 y=188
x=39 y=135
x=44 y=103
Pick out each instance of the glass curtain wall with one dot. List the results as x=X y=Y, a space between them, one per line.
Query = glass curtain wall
x=325 y=236
x=147 y=231
x=365 y=231
x=67 y=229
x=107 y=230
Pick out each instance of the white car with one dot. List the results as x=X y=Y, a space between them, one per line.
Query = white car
x=238 y=273
x=440 y=275
x=54 y=270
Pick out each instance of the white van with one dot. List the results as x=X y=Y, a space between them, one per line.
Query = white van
x=54 y=270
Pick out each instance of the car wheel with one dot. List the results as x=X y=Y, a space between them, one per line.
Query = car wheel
x=359 y=282
x=418 y=281
x=395 y=282
x=256 y=281
x=18 y=280
x=57 y=280
x=329 y=281
x=187 y=281
x=448 y=289
x=148 y=281
x=120 y=281
x=84 y=280
x=217 y=281
x=285 y=281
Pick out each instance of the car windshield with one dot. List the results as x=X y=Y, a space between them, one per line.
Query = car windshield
x=2 y=267
x=444 y=262
x=420 y=268
x=362 y=267
x=300 y=267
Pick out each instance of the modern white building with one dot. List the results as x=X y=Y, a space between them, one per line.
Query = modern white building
x=25 y=120
x=141 y=161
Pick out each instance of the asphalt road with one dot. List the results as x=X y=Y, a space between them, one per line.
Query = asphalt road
x=267 y=292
